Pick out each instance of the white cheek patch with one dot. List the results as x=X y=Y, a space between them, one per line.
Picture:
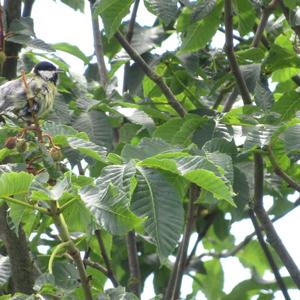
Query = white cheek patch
x=47 y=75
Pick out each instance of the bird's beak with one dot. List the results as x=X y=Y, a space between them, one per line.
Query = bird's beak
x=60 y=71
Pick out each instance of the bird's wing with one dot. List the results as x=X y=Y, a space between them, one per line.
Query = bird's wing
x=13 y=94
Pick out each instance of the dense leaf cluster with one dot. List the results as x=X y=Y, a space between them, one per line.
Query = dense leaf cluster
x=127 y=163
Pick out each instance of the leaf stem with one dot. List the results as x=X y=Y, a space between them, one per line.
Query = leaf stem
x=25 y=204
x=106 y=259
x=53 y=254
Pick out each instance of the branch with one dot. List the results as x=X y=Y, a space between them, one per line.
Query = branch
x=27 y=8
x=263 y=22
x=268 y=255
x=64 y=234
x=174 y=284
x=151 y=74
x=12 y=11
x=129 y=36
x=266 y=223
x=98 y=45
x=22 y=268
x=106 y=260
x=134 y=268
x=231 y=56
x=280 y=172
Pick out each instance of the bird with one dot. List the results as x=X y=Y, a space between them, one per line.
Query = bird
x=31 y=96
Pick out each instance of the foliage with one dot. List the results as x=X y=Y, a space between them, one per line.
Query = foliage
x=112 y=164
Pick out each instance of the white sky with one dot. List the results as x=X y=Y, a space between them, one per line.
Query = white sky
x=55 y=22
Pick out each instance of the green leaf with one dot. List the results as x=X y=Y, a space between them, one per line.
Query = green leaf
x=164 y=9
x=136 y=116
x=87 y=148
x=201 y=32
x=291 y=138
x=160 y=163
x=224 y=161
x=287 y=105
x=156 y=199
x=202 y=9
x=253 y=256
x=244 y=116
x=77 y=216
x=250 y=55
x=178 y=130
x=112 y=13
x=118 y=175
x=147 y=147
x=212 y=183
x=251 y=287
x=118 y=293
x=15 y=183
x=75 y=4
x=259 y=136
x=97 y=126
x=22 y=26
x=29 y=41
x=246 y=16
x=73 y=50
x=284 y=74
x=214 y=273
x=59 y=132
x=263 y=96
x=110 y=209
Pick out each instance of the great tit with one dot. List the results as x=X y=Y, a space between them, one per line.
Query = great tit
x=31 y=95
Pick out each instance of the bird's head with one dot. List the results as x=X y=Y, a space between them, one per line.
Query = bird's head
x=46 y=70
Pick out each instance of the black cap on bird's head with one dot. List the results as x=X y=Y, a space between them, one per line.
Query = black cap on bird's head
x=46 y=70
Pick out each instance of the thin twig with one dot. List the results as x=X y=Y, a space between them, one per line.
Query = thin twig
x=131 y=24
x=263 y=22
x=236 y=37
x=151 y=74
x=106 y=259
x=280 y=172
x=209 y=219
x=266 y=223
x=96 y=266
x=134 y=268
x=174 y=284
x=64 y=234
x=230 y=53
x=98 y=45
x=268 y=255
x=247 y=239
